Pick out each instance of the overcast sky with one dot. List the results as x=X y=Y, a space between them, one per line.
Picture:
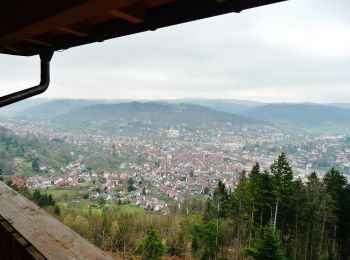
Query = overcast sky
x=293 y=51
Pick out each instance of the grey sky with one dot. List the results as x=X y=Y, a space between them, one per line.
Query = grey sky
x=292 y=51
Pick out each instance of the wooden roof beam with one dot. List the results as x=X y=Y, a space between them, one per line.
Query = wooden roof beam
x=154 y=3
x=73 y=15
x=75 y=32
x=38 y=42
x=10 y=48
x=126 y=16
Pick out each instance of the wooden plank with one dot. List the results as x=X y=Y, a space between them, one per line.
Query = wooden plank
x=5 y=240
x=38 y=42
x=20 y=240
x=7 y=227
x=154 y=3
x=49 y=236
x=126 y=16
x=73 y=15
x=72 y=31
x=33 y=253
x=18 y=246
x=10 y=48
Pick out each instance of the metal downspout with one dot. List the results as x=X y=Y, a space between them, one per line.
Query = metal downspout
x=45 y=59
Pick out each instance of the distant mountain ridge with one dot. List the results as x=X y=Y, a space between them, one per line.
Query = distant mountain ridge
x=152 y=114
x=54 y=108
x=302 y=115
x=225 y=105
x=19 y=107
x=49 y=108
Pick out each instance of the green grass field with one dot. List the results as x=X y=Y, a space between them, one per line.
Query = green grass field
x=65 y=193
x=131 y=209
x=72 y=199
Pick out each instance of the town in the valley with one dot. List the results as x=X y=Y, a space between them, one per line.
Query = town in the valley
x=158 y=170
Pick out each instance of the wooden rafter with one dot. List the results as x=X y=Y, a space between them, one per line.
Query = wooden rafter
x=154 y=3
x=72 y=31
x=76 y=14
x=56 y=25
x=126 y=16
x=10 y=48
x=38 y=42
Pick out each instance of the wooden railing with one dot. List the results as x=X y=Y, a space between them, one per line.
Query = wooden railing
x=29 y=232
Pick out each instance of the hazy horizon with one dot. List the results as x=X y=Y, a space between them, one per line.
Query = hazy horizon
x=183 y=99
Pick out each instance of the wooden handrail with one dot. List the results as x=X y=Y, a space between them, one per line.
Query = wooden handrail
x=44 y=233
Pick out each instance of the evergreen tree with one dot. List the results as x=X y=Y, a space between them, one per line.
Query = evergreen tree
x=57 y=211
x=35 y=164
x=299 y=198
x=204 y=237
x=221 y=199
x=314 y=210
x=266 y=200
x=131 y=186
x=254 y=196
x=282 y=183
x=240 y=199
x=337 y=188
x=36 y=195
x=152 y=246
x=268 y=246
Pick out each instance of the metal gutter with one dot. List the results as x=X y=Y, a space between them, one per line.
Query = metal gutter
x=45 y=59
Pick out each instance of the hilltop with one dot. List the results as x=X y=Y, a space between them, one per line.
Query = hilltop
x=150 y=114
x=192 y=113
x=302 y=115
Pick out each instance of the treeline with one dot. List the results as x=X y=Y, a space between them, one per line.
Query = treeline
x=268 y=215
x=308 y=220
x=43 y=200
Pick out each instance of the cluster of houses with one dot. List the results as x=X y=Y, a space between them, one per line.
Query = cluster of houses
x=178 y=163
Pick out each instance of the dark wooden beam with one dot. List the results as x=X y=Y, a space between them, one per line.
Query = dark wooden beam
x=73 y=15
x=11 y=49
x=126 y=16
x=154 y=3
x=38 y=42
x=72 y=31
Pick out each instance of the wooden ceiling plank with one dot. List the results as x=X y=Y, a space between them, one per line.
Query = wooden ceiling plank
x=125 y=16
x=73 y=15
x=72 y=31
x=10 y=48
x=154 y=3
x=38 y=42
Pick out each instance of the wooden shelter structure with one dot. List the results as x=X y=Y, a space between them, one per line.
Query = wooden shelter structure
x=32 y=27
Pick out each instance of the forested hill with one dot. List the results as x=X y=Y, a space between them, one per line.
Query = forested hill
x=302 y=115
x=152 y=115
x=25 y=155
x=53 y=108
x=225 y=105
x=191 y=113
